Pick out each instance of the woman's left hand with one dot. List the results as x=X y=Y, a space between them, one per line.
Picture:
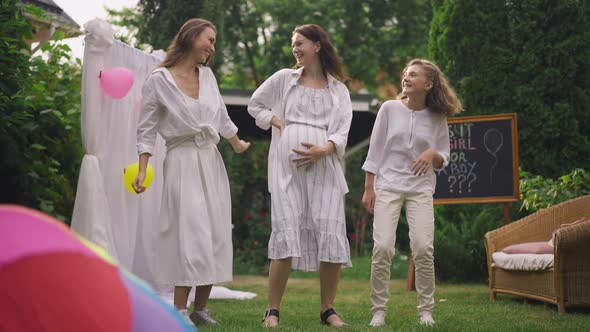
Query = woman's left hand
x=312 y=154
x=423 y=163
x=241 y=146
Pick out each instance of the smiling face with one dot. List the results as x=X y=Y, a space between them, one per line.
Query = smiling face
x=415 y=81
x=304 y=50
x=204 y=45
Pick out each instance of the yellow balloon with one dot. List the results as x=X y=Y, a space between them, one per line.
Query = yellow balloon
x=130 y=173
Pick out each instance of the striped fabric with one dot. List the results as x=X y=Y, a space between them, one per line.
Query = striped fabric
x=308 y=221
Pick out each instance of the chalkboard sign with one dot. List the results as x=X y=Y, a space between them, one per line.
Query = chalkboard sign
x=483 y=165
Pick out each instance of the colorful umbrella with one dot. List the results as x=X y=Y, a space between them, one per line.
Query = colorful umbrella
x=53 y=280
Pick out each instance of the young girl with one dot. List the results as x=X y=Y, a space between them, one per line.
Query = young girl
x=183 y=104
x=311 y=112
x=410 y=139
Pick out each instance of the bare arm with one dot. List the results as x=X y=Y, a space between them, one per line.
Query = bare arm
x=138 y=182
x=369 y=194
x=238 y=145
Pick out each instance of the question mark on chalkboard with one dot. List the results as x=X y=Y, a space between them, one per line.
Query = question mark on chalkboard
x=462 y=179
x=454 y=179
x=473 y=177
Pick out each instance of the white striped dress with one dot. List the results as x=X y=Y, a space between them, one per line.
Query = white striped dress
x=308 y=220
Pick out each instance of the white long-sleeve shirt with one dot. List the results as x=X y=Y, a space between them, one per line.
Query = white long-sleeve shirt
x=172 y=114
x=275 y=95
x=399 y=136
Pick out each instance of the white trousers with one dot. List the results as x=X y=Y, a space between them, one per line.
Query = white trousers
x=420 y=215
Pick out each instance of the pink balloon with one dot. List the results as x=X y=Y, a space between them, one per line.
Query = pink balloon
x=116 y=82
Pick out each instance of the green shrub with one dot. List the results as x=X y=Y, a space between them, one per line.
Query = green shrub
x=459 y=250
x=250 y=205
x=251 y=242
x=40 y=137
x=359 y=222
x=14 y=73
x=53 y=98
x=537 y=192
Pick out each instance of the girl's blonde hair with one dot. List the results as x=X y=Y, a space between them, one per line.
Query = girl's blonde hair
x=182 y=44
x=441 y=98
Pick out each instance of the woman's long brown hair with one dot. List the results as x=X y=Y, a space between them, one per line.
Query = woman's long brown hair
x=328 y=56
x=182 y=44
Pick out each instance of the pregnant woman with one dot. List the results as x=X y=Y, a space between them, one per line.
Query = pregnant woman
x=310 y=111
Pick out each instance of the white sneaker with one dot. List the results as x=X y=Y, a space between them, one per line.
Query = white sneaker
x=186 y=317
x=378 y=318
x=202 y=317
x=426 y=318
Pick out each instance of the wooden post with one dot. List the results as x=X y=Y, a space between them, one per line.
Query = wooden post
x=506 y=214
x=411 y=285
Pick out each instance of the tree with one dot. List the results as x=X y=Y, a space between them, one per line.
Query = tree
x=54 y=148
x=161 y=20
x=527 y=57
x=375 y=38
x=130 y=20
x=40 y=143
x=371 y=36
x=14 y=70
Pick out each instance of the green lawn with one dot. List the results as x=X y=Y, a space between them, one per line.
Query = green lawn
x=464 y=307
x=361 y=269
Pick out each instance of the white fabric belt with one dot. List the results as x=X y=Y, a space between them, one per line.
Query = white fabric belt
x=202 y=139
x=306 y=124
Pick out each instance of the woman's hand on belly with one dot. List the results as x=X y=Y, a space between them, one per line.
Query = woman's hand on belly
x=313 y=153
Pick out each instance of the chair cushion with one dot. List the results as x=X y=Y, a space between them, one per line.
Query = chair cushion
x=522 y=262
x=529 y=248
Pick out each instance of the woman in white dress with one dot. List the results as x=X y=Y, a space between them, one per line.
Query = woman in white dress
x=181 y=102
x=310 y=111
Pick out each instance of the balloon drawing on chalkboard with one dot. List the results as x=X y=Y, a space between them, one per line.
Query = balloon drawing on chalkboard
x=493 y=141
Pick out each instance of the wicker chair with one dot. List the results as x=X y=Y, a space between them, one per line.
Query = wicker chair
x=567 y=283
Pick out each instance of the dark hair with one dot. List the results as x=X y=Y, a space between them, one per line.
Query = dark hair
x=328 y=56
x=182 y=43
x=441 y=98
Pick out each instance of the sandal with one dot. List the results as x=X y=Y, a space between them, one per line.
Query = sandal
x=271 y=312
x=326 y=314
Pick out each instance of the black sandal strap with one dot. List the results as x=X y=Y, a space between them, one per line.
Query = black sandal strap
x=271 y=312
x=326 y=314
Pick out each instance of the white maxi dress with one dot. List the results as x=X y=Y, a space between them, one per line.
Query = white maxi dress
x=193 y=245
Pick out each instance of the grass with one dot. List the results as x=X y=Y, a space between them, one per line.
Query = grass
x=464 y=307
x=361 y=269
